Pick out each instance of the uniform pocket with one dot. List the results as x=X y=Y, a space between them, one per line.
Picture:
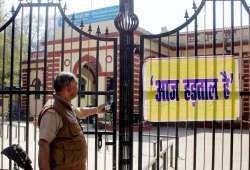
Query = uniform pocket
x=74 y=151
x=58 y=156
x=75 y=129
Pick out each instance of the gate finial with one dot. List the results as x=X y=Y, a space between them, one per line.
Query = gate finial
x=65 y=7
x=81 y=25
x=90 y=29
x=186 y=15
x=194 y=6
x=73 y=17
x=106 y=31
x=98 y=31
x=12 y=10
x=126 y=20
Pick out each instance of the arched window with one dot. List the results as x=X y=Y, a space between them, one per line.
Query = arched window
x=110 y=87
x=37 y=84
x=82 y=87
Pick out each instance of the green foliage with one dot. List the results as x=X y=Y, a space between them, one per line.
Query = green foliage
x=5 y=52
x=1 y=10
x=7 y=64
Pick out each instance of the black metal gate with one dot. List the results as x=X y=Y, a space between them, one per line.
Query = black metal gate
x=37 y=43
x=217 y=28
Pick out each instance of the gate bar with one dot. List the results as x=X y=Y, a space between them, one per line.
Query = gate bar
x=233 y=108
x=3 y=77
x=159 y=112
x=62 y=44
x=96 y=99
x=141 y=104
x=177 y=124
x=28 y=79
x=248 y=102
x=115 y=105
x=20 y=75
x=36 y=78
x=54 y=46
x=214 y=53
x=45 y=54
x=196 y=108
x=11 y=80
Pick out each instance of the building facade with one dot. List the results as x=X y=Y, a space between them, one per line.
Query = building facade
x=104 y=18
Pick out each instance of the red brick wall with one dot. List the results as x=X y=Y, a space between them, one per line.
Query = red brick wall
x=51 y=70
x=245 y=86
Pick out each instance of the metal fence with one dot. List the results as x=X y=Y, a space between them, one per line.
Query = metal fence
x=38 y=42
x=216 y=28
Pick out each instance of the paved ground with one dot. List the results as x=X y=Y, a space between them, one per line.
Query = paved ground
x=185 y=158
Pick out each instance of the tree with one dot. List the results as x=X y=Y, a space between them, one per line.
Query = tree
x=1 y=11
x=18 y=33
x=5 y=51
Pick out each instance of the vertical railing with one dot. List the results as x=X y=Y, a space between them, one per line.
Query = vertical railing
x=140 y=141
x=3 y=96
x=176 y=123
x=114 y=167
x=28 y=79
x=126 y=22
x=63 y=39
x=11 y=83
x=196 y=76
x=206 y=43
x=41 y=59
x=214 y=53
x=96 y=98
x=45 y=53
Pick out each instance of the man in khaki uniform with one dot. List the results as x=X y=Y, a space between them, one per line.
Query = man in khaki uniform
x=62 y=145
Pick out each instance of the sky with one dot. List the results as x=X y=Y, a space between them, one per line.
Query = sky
x=152 y=14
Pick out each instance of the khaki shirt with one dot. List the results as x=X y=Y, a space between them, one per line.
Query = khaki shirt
x=51 y=122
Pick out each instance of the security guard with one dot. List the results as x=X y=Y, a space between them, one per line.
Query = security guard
x=62 y=145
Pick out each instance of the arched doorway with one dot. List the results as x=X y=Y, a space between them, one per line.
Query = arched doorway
x=87 y=83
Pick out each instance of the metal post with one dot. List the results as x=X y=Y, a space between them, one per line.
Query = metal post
x=165 y=161
x=126 y=22
x=171 y=156
x=154 y=152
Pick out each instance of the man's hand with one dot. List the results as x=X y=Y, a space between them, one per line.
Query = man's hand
x=84 y=112
x=101 y=108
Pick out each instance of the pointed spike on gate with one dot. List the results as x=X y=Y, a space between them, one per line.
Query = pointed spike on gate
x=106 y=31
x=81 y=25
x=90 y=29
x=98 y=31
x=39 y=1
x=65 y=7
x=20 y=1
x=186 y=15
x=59 y=1
x=73 y=17
x=194 y=6
x=12 y=10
